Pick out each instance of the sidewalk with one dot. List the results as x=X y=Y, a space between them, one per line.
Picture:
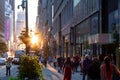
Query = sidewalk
x=4 y=78
x=14 y=73
x=57 y=75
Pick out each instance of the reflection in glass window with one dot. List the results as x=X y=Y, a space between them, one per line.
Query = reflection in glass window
x=94 y=24
x=76 y=2
x=113 y=19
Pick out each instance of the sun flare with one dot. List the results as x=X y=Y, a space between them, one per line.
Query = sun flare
x=34 y=40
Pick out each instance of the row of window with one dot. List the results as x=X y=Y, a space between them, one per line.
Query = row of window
x=85 y=8
x=67 y=13
x=64 y=17
x=57 y=4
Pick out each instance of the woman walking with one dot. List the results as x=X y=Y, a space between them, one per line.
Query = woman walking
x=67 y=68
x=108 y=69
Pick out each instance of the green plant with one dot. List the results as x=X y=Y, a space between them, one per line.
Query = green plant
x=30 y=67
x=12 y=78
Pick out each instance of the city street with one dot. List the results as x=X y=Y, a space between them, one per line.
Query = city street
x=14 y=72
x=78 y=35
x=49 y=73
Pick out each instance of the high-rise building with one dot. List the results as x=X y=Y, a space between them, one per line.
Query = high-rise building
x=44 y=20
x=2 y=21
x=6 y=25
x=20 y=23
x=20 y=26
x=10 y=24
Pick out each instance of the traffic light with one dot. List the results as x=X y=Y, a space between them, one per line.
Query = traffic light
x=116 y=37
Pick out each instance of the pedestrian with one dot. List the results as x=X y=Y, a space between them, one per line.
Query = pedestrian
x=8 y=66
x=94 y=70
x=76 y=62
x=41 y=59
x=54 y=62
x=60 y=61
x=86 y=64
x=67 y=68
x=108 y=69
x=45 y=61
x=81 y=64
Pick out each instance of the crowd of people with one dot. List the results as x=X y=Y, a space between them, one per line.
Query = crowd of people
x=100 y=67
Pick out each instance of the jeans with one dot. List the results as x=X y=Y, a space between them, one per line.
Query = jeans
x=7 y=71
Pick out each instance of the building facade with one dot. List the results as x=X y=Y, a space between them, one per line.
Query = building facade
x=2 y=21
x=86 y=19
x=95 y=24
x=86 y=26
x=10 y=24
x=62 y=19
x=44 y=23
x=6 y=25
x=44 y=18
x=83 y=26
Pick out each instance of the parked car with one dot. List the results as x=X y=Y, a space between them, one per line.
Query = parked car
x=15 y=61
x=19 y=53
x=2 y=61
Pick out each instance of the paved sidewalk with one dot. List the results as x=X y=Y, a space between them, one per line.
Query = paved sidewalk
x=14 y=73
x=52 y=73
x=4 y=78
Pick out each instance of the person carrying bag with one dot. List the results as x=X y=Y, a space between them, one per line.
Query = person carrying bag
x=8 y=66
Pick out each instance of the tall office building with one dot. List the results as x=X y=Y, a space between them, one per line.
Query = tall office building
x=20 y=23
x=44 y=18
x=2 y=21
x=20 y=26
x=44 y=21
x=9 y=25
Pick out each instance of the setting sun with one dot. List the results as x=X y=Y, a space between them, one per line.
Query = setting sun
x=34 y=39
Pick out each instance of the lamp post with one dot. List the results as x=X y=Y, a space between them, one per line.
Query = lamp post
x=24 y=5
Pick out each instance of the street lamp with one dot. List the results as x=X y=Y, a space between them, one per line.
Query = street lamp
x=24 y=5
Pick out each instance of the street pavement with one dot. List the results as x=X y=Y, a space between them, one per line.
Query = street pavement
x=14 y=72
x=49 y=73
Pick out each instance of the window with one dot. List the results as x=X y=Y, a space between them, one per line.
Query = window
x=76 y=2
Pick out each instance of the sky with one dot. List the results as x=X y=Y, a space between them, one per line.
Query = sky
x=32 y=11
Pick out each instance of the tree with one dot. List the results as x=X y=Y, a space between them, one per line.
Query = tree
x=23 y=37
x=3 y=47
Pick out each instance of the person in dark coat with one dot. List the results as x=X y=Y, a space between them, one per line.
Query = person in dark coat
x=76 y=62
x=8 y=66
x=94 y=70
x=60 y=62
x=86 y=65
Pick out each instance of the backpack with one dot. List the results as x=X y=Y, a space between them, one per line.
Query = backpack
x=8 y=64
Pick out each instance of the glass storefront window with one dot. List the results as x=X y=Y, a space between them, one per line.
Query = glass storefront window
x=94 y=24
x=113 y=21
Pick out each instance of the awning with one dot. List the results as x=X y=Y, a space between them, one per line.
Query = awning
x=104 y=38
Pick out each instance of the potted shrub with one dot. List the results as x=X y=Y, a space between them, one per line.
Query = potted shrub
x=30 y=68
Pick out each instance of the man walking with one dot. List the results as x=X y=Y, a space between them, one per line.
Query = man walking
x=8 y=66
